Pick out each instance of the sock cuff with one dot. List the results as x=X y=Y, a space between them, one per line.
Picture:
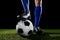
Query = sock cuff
x=37 y=7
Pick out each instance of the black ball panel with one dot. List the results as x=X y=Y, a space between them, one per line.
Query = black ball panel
x=30 y=32
x=26 y=23
x=20 y=31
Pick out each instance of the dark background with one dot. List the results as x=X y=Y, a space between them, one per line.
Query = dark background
x=10 y=9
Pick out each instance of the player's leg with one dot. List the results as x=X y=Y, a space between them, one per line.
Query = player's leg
x=25 y=4
x=37 y=14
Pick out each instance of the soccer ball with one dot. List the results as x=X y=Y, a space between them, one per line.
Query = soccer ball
x=24 y=28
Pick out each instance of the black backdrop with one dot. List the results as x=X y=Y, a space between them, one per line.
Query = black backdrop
x=10 y=9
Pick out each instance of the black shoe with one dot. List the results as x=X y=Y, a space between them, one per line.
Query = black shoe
x=24 y=16
x=39 y=31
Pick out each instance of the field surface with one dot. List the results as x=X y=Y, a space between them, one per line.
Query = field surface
x=10 y=34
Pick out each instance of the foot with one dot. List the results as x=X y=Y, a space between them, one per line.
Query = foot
x=39 y=31
x=26 y=16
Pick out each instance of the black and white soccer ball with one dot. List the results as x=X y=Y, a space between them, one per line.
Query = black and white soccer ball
x=24 y=28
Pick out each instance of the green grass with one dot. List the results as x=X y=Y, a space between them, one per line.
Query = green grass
x=10 y=34
x=52 y=30
x=7 y=31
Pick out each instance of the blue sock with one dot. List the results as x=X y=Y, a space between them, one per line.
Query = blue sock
x=25 y=4
x=37 y=14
